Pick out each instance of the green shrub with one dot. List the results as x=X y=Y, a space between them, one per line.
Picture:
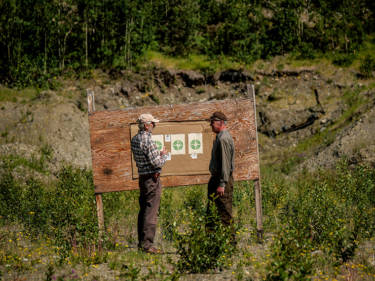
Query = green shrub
x=291 y=258
x=326 y=212
x=155 y=98
x=65 y=211
x=10 y=195
x=204 y=243
x=195 y=199
x=307 y=51
x=274 y=190
x=73 y=212
x=356 y=187
x=116 y=203
x=367 y=66
x=167 y=215
x=343 y=59
x=36 y=208
x=243 y=193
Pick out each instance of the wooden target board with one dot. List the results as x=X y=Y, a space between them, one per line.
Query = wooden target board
x=184 y=131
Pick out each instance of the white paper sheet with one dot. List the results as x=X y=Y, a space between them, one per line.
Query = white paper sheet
x=195 y=143
x=159 y=141
x=178 y=144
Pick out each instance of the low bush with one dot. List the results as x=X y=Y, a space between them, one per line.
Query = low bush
x=325 y=213
x=10 y=195
x=367 y=66
x=204 y=243
x=168 y=216
x=306 y=51
x=343 y=59
x=290 y=256
x=65 y=212
x=73 y=214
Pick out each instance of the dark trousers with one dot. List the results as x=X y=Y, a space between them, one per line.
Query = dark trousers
x=149 y=202
x=223 y=203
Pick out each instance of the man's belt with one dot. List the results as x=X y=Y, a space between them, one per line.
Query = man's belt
x=219 y=174
x=154 y=176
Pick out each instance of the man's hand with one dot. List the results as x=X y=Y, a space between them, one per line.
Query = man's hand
x=163 y=151
x=220 y=191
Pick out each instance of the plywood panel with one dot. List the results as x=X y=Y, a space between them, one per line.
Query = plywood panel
x=185 y=163
x=110 y=133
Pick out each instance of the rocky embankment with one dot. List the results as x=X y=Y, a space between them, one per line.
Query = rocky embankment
x=292 y=106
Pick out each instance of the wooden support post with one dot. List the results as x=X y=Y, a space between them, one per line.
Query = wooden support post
x=257 y=186
x=99 y=211
x=90 y=101
x=258 y=209
x=98 y=196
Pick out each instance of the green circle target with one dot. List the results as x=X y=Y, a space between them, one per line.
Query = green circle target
x=195 y=144
x=159 y=145
x=178 y=145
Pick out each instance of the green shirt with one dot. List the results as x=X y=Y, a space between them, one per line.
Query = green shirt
x=222 y=157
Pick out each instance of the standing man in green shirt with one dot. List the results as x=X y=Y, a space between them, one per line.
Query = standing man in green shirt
x=221 y=168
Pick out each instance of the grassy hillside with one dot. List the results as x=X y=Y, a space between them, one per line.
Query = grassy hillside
x=323 y=62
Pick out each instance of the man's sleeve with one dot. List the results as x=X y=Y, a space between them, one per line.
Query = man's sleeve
x=154 y=155
x=226 y=162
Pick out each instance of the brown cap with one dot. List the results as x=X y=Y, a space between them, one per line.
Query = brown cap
x=218 y=116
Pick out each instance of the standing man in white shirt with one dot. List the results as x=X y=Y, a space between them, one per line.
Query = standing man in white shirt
x=149 y=162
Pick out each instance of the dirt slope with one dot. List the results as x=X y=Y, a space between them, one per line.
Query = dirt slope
x=356 y=142
x=292 y=105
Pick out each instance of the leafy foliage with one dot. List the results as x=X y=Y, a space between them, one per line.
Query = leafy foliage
x=204 y=244
x=328 y=214
x=42 y=39
x=343 y=59
x=367 y=66
x=65 y=213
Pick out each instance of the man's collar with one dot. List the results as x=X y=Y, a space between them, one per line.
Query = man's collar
x=221 y=132
x=145 y=132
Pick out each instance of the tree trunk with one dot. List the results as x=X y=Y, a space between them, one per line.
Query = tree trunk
x=126 y=45
x=64 y=47
x=45 y=52
x=86 y=47
x=58 y=36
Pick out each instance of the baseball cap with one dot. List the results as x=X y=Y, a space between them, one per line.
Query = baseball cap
x=146 y=118
x=218 y=116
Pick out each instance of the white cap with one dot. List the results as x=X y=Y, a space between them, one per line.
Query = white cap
x=147 y=118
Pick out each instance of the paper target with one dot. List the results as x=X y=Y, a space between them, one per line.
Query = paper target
x=195 y=143
x=178 y=144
